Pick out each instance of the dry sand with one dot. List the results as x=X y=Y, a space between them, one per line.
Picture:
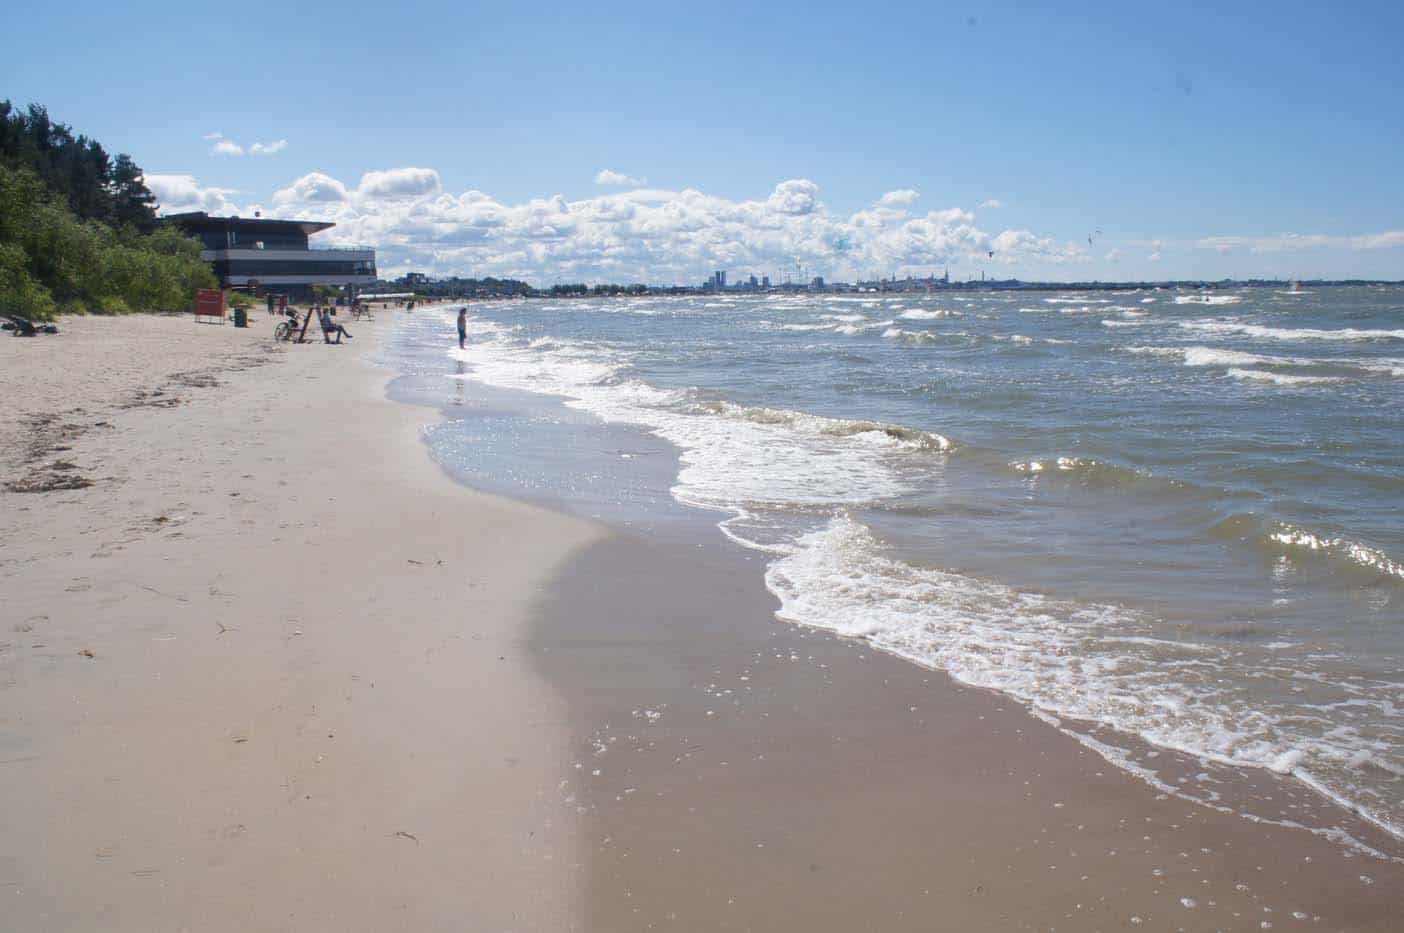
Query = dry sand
x=274 y=671
x=265 y=673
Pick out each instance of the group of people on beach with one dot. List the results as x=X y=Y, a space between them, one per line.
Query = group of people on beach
x=331 y=328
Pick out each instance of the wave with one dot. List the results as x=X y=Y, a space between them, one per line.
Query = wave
x=1266 y=367
x=732 y=455
x=918 y=314
x=1281 y=379
x=1229 y=328
x=1207 y=299
x=1293 y=541
x=1095 y=663
x=806 y=423
x=1298 y=540
x=1109 y=322
x=1099 y=473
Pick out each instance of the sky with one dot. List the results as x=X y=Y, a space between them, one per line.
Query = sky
x=657 y=142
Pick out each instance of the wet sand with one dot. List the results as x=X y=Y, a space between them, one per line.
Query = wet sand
x=755 y=776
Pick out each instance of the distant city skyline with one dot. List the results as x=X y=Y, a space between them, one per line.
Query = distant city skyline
x=623 y=143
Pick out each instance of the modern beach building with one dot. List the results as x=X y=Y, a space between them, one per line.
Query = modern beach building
x=274 y=254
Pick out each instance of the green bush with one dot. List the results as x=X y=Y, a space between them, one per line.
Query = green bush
x=49 y=259
x=19 y=293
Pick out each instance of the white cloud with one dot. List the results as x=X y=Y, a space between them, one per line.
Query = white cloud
x=899 y=198
x=399 y=183
x=647 y=234
x=1113 y=255
x=609 y=176
x=312 y=188
x=797 y=196
x=1300 y=242
x=178 y=193
x=225 y=146
x=992 y=204
x=1012 y=245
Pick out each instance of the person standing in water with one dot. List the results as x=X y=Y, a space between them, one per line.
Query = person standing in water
x=462 y=326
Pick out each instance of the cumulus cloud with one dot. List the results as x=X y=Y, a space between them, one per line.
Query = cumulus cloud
x=796 y=196
x=278 y=145
x=899 y=198
x=608 y=176
x=1021 y=244
x=646 y=234
x=1300 y=242
x=312 y=188
x=399 y=183
x=178 y=193
x=992 y=204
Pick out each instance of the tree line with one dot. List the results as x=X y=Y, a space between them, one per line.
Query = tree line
x=78 y=228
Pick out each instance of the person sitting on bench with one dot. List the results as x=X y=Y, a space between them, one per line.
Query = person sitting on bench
x=330 y=327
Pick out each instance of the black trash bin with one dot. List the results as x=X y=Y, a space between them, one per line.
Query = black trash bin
x=241 y=317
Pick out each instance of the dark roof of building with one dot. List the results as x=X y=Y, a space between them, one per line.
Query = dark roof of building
x=196 y=221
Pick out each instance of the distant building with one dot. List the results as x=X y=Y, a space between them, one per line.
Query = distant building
x=818 y=283
x=721 y=278
x=752 y=282
x=765 y=281
x=274 y=254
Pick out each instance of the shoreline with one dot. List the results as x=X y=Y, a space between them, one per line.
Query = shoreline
x=1236 y=813
x=387 y=741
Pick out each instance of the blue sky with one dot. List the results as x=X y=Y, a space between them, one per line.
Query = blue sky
x=1203 y=140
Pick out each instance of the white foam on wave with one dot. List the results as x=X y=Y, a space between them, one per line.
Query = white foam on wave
x=1216 y=356
x=1112 y=322
x=1233 y=328
x=1078 y=301
x=1207 y=299
x=846 y=318
x=1239 y=361
x=1280 y=379
x=919 y=314
x=731 y=455
x=1094 y=663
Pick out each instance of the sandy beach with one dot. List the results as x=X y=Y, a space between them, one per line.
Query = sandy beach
x=265 y=673
x=264 y=665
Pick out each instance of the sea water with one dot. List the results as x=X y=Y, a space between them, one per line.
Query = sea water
x=1172 y=516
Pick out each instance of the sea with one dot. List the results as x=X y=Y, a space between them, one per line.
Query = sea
x=1161 y=519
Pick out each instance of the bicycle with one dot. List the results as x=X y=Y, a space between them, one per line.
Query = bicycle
x=287 y=328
